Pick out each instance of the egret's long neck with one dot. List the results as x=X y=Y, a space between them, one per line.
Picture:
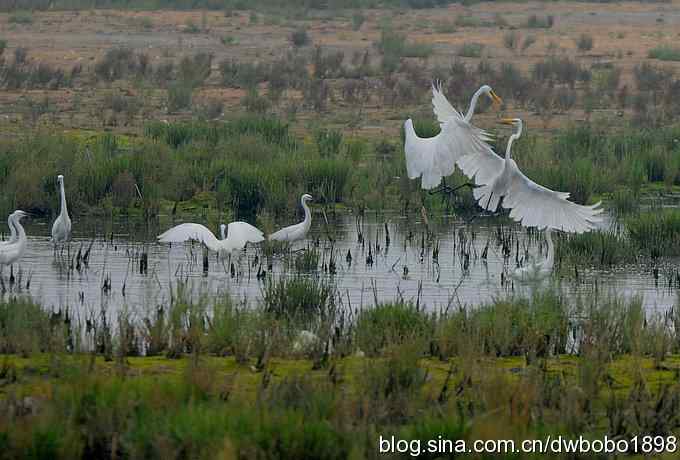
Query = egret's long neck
x=308 y=213
x=512 y=139
x=551 y=247
x=12 y=229
x=64 y=209
x=473 y=104
x=19 y=229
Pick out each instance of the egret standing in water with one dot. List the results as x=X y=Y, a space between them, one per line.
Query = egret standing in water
x=436 y=157
x=238 y=235
x=298 y=231
x=535 y=270
x=13 y=251
x=61 y=229
x=530 y=204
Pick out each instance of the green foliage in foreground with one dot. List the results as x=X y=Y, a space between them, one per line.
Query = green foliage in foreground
x=430 y=375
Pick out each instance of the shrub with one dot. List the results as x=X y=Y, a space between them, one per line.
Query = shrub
x=358 y=20
x=471 y=50
x=540 y=22
x=179 y=96
x=665 y=53
x=391 y=324
x=511 y=40
x=584 y=42
x=300 y=38
x=20 y=17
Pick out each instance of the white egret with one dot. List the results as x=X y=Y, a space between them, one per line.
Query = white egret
x=238 y=235
x=61 y=229
x=12 y=232
x=530 y=204
x=435 y=157
x=11 y=252
x=537 y=270
x=298 y=231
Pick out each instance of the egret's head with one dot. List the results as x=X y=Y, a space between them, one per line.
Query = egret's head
x=60 y=179
x=19 y=214
x=486 y=89
x=223 y=228
x=307 y=197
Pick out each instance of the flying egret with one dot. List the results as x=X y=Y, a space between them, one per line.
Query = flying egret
x=11 y=252
x=12 y=232
x=61 y=229
x=537 y=270
x=238 y=235
x=298 y=231
x=530 y=204
x=436 y=157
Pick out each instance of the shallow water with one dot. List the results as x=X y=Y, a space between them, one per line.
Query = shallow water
x=404 y=268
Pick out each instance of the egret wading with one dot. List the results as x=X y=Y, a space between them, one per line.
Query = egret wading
x=537 y=270
x=61 y=229
x=298 y=231
x=238 y=235
x=435 y=157
x=13 y=251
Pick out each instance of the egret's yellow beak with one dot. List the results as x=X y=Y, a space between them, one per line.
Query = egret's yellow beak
x=495 y=97
x=507 y=121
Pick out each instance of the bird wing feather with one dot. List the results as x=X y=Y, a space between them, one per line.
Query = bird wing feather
x=534 y=205
x=189 y=231
x=287 y=233
x=240 y=233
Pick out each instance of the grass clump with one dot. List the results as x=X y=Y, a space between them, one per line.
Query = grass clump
x=665 y=53
x=656 y=232
x=391 y=325
x=471 y=50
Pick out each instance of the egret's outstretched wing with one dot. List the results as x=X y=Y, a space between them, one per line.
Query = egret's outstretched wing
x=441 y=105
x=186 y=232
x=482 y=165
x=240 y=233
x=436 y=157
x=533 y=205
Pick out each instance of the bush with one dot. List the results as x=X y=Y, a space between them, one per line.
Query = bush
x=584 y=42
x=665 y=53
x=21 y=17
x=511 y=40
x=179 y=96
x=471 y=50
x=300 y=38
x=538 y=22
x=389 y=325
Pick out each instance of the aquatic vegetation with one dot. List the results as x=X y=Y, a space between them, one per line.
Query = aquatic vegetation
x=656 y=232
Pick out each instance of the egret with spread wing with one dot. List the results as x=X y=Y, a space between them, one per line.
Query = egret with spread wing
x=238 y=235
x=298 y=231
x=536 y=270
x=530 y=204
x=11 y=252
x=435 y=157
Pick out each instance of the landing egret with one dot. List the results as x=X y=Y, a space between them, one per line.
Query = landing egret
x=531 y=204
x=238 y=235
x=61 y=229
x=537 y=270
x=436 y=157
x=12 y=232
x=11 y=252
x=298 y=231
